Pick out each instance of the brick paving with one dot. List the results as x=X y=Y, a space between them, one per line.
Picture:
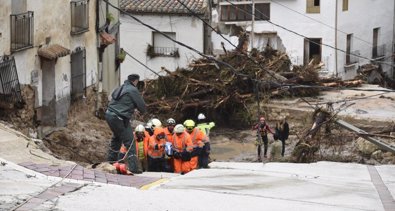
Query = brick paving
x=91 y=175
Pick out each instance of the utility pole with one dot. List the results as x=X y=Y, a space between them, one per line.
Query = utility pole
x=252 y=24
x=336 y=38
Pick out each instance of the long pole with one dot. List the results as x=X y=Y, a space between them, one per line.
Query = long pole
x=336 y=39
x=252 y=24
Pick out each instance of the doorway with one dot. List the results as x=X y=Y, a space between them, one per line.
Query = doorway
x=312 y=50
x=48 y=117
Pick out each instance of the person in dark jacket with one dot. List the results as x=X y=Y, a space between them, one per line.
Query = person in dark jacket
x=282 y=132
x=126 y=100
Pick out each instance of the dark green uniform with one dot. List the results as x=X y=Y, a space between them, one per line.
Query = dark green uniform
x=125 y=99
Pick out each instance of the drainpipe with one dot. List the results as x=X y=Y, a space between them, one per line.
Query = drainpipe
x=252 y=24
x=336 y=72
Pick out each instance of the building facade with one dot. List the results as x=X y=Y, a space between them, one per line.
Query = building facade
x=54 y=47
x=153 y=48
x=342 y=34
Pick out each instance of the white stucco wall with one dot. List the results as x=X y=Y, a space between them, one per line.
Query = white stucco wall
x=360 y=19
x=51 y=19
x=136 y=37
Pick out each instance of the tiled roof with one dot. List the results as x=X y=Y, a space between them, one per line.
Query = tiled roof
x=53 y=51
x=163 y=6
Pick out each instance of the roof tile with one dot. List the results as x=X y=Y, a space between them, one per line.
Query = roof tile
x=163 y=6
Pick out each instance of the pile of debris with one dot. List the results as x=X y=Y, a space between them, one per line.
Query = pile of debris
x=216 y=88
x=373 y=74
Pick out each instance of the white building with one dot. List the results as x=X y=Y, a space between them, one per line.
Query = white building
x=152 y=48
x=53 y=46
x=356 y=27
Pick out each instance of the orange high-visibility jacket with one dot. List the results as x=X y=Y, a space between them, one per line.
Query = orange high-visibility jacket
x=169 y=135
x=145 y=142
x=198 y=137
x=156 y=153
x=180 y=143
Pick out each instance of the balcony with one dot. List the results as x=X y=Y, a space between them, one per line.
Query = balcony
x=378 y=51
x=79 y=16
x=162 y=51
x=22 y=31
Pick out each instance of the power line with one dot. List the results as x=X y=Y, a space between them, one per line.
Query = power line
x=209 y=25
x=274 y=84
x=301 y=35
x=127 y=53
x=320 y=22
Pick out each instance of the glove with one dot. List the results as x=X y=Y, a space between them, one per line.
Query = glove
x=156 y=147
x=176 y=155
x=186 y=156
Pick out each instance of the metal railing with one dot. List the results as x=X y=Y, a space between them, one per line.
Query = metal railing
x=79 y=16
x=166 y=51
x=22 y=31
x=378 y=51
x=352 y=57
x=10 y=90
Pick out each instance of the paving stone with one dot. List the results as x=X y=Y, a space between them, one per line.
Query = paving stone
x=77 y=177
x=102 y=180
x=41 y=165
x=26 y=164
x=79 y=168
x=37 y=200
x=89 y=176
x=41 y=170
x=89 y=171
x=53 y=173
x=48 y=195
x=64 y=189
x=76 y=185
x=28 y=206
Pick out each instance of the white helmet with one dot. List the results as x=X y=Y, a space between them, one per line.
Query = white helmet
x=179 y=128
x=140 y=128
x=171 y=121
x=201 y=116
x=156 y=123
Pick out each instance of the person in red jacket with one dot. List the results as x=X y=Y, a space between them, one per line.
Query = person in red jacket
x=262 y=129
x=156 y=150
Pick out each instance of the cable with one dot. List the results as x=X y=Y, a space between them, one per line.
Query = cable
x=274 y=84
x=321 y=22
x=127 y=53
x=289 y=30
x=209 y=25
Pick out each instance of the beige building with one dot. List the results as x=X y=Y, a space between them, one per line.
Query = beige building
x=60 y=48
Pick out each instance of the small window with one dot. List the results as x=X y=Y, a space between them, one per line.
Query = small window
x=351 y=55
x=345 y=5
x=312 y=6
x=22 y=31
x=78 y=69
x=162 y=46
x=79 y=16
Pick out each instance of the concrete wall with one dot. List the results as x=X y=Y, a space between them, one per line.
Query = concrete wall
x=136 y=37
x=360 y=19
x=51 y=20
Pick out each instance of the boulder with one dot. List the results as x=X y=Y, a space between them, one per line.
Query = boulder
x=365 y=147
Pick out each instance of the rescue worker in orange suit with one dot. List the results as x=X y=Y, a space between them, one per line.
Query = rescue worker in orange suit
x=182 y=148
x=169 y=129
x=142 y=138
x=205 y=127
x=198 y=140
x=156 y=151
x=262 y=129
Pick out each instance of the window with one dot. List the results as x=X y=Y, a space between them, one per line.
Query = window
x=22 y=31
x=10 y=91
x=162 y=46
x=78 y=66
x=312 y=6
x=79 y=16
x=377 y=50
x=345 y=5
x=242 y=12
x=351 y=56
